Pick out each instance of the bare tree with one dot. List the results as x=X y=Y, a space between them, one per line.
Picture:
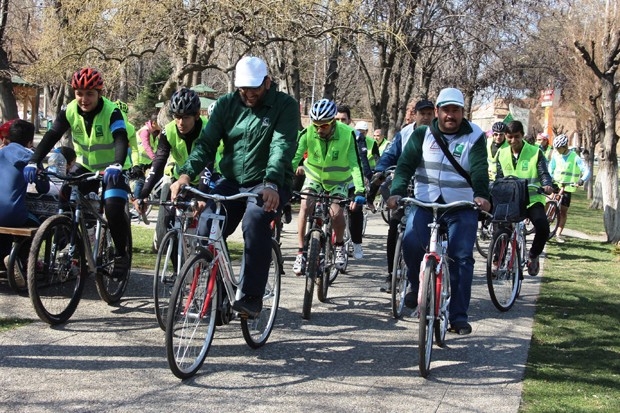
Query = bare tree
x=8 y=105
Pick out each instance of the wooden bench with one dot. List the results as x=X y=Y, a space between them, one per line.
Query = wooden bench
x=20 y=232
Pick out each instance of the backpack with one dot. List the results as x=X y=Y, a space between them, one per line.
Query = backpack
x=510 y=199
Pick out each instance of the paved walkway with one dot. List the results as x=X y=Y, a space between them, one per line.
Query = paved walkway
x=352 y=356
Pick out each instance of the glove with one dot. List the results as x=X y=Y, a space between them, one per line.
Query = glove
x=30 y=173
x=580 y=182
x=112 y=174
x=359 y=199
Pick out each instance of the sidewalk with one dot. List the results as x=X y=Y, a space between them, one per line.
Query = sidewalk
x=351 y=356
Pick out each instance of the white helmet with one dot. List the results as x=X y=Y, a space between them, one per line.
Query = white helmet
x=361 y=125
x=323 y=110
x=560 y=140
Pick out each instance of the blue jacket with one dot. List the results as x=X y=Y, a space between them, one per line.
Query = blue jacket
x=13 y=158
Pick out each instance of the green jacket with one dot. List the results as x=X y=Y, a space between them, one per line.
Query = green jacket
x=411 y=159
x=259 y=142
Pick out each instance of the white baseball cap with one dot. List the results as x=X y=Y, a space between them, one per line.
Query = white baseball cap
x=361 y=125
x=450 y=96
x=250 y=72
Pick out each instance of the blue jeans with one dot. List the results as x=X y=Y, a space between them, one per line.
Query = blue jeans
x=256 y=227
x=462 y=226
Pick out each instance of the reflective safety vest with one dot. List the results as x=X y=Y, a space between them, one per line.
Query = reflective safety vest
x=178 y=148
x=94 y=151
x=492 y=160
x=383 y=146
x=143 y=157
x=525 y=168
x=370 y=142
x=566 y=170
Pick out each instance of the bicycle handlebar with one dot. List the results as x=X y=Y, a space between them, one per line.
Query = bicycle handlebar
x=87 y=176
x=437 y=206
x=217 y=197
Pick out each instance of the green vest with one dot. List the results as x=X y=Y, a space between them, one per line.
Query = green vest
x=525 y=168
x=143 y=158
x=566 y=171
x=492 y=160
x=547 y=151
x=94 y=151
x=370 y=142
x=383 y=146
x=178 y=148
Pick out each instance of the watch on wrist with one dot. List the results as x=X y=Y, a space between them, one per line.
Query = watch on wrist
x=271 y=186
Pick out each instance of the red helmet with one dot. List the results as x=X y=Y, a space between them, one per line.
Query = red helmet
x=87 y=78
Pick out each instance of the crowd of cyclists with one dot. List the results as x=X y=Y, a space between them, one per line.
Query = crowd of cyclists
x=250 y=142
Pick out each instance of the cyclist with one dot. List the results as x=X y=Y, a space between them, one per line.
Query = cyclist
x=259 y=127
x=527 y=161
x=371 y=145
x=356 y=216
x=332 y=163
x=176 y=140
x=100 y=136
x=566 y=167
x=542 y=139
x=494 y=143
x=147 y=146
x=380 y=140
x=422 y=115
x=436 y=180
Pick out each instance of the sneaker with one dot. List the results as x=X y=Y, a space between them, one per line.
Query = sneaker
x=462 y=329
x=387 y=285
x=358 y=251
x=533 y=266
x=559 y=239
x=300 y=264
x=249 y=305
x=341 y=256
x=121 y=267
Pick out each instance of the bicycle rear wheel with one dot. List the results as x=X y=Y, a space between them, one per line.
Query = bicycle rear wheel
x=399 y=280
x=483 y=239
x=17 y=270
x=553 y=211
x=165 y=275
x=191 y=320
x=257 y=331
x=111 y=289
x=312 y=271
x=503 y=270
x=427 y=317
x=56 y=270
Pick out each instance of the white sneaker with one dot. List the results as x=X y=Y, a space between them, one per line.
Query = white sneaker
x=341 y=257
x=300 y=264
x=358 y=252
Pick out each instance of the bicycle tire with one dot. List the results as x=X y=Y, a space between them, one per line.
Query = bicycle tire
x=503 y=280
x=110 y=289
x=331 y=260
x=189 y=333
x=427 y=317
x=56 y=270
x=256 y=331
x=323 y=280
x=364 y=220
x=312 y=271
x=400 y=281
x=165 y=275
x=386 y=213
x=443 y=316
x=484 y=236
x=553 y=213
x=18 y=264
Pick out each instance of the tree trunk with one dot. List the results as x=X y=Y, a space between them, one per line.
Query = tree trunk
x=609 y=165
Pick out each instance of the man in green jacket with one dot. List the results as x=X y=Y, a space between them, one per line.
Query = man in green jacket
x=259 y=126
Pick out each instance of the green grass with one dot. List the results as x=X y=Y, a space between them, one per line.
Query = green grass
x=11 y=323
x=574 y=358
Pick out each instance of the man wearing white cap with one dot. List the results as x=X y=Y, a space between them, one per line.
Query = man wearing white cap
x=436 y=180
x=258 y=126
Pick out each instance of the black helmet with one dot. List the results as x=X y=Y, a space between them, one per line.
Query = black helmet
x=184 y=102
x=499 y=127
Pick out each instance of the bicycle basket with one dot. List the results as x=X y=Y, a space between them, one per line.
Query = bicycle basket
x=510 y=199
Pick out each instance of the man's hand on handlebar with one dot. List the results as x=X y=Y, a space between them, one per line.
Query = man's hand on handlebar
x=175 y=188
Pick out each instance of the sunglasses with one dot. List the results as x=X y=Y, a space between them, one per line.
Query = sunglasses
x=322 y=126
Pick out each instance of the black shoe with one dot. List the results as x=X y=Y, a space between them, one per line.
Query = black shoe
x=411 y=300
x=249 y=305
x=288 y=217
x=121 y=268
x=461 y=329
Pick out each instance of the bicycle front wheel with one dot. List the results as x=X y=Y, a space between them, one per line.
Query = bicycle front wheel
x=56 y=270
x=399 y=280
x=165 y=275
x=553 y=211
x=257 y=331
x=324 y=279
x=427 y=317
x=111 y=289
x=190 y=324
x=503 y=270
x=443 y=317
x=485 y=233
x=312 y=271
